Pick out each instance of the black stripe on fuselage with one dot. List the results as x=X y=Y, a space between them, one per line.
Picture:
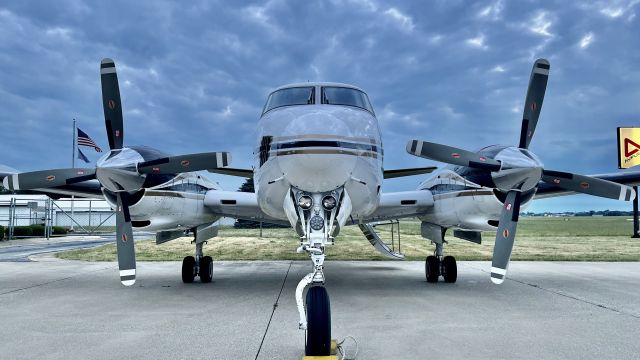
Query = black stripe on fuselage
x=345 y=145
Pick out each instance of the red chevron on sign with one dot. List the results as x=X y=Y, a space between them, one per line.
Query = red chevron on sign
x=627 y=143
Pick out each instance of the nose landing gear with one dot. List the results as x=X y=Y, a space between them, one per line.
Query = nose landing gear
x=315 y=312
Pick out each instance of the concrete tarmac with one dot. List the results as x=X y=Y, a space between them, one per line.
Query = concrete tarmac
x=58 y=309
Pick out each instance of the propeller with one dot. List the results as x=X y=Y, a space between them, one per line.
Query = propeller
x=505 y=237
x=111 y=103
x=533 y=102
x=451 y=155
x=588 y=185
x=47 y=178
x=185 y=163
x=515 y=170
x=124 y=240
x=122 y=171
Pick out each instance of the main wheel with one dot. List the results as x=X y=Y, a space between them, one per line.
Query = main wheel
x=432 y=268
x=318 y=322
x=188 y=269
x=206 y=269
x=450 y=268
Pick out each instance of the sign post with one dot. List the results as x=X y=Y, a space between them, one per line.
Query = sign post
x=629 y=156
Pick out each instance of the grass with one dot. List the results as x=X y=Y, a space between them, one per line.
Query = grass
x=562 y=239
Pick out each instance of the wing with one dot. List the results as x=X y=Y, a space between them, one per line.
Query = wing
x=402 y=204
x=238 y=205
x=395 y=173
x=245 y=173
x=630 y=178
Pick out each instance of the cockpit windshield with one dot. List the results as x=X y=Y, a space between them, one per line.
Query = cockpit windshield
x=291 y=96
x=345 y=96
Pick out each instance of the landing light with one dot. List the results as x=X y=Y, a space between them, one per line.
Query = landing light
x=329 y=202
x=305 y=202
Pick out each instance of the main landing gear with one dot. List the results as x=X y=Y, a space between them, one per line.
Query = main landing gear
x=199 y=265
x=437 y=264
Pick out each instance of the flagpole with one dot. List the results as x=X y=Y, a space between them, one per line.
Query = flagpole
x=73 y=164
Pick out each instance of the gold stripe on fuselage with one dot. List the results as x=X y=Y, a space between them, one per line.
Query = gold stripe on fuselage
x=321 y=136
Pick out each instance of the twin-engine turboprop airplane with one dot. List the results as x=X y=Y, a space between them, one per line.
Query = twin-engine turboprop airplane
x=319 y=167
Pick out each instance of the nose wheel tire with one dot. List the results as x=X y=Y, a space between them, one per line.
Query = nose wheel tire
x=432 y=269
x=188 y=269
x=318 y=341
x=450 y=269
x=206 y=269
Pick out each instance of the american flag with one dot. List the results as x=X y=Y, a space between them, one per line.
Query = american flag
x=85 y=140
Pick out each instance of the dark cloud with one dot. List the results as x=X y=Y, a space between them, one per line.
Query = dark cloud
x=194 y=75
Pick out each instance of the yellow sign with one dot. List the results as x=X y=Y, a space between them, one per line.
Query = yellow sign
x=628 y=147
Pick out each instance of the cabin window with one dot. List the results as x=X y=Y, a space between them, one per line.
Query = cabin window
x=346 y=96
x=290 y=96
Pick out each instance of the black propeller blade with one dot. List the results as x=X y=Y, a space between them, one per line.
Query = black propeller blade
x=588 y=185
x=124 y=241
x=111 y=103
x=451 y=155
x=47 y=178
x=533 y=102
x=505 y=237
x=185 y=163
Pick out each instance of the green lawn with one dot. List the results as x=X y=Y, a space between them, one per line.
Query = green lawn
x=569 y=239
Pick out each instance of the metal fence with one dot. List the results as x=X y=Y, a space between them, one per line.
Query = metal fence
x=81 y=216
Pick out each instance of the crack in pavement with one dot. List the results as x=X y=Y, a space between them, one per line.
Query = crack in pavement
x=273 y=311
x=568 y=296
x=54 y=281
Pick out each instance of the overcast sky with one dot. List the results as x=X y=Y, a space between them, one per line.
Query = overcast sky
x=194 y=75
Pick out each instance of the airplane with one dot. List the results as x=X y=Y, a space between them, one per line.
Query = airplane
x=318 y=167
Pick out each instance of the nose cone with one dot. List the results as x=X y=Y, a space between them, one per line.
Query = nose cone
x=318 y=148
x=117 y=170
x=520 y=168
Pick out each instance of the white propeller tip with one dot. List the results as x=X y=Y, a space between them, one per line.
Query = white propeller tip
x=497 y=281
x=128 y=282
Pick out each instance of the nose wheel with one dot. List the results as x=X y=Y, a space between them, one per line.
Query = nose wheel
x=318 y=336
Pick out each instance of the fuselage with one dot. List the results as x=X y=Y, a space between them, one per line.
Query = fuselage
x=316 y=138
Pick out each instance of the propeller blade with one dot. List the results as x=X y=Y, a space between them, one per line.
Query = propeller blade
x=533 y=102
x=47 y=178
x=588 y=185
x=451 y=155
x=124 y=241
x=185 y=163
x=505 y=237
x=111 y=103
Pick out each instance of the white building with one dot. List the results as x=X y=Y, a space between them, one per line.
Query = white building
x=30 y=209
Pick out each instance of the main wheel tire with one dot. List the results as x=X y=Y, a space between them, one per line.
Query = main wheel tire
x=432 y=268
x=450 y=269
x=318 y=342
x=206 y=269
x=188 y=269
